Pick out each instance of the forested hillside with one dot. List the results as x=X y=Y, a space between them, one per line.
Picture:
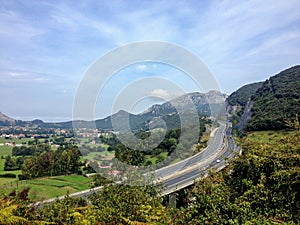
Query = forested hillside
x=276 y=101
x=271 y=104
x=243 y=94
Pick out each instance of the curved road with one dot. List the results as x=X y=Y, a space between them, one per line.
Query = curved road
x=214 y=146
x=182 y=174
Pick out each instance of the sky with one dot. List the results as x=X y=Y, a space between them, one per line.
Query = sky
x=46 y=48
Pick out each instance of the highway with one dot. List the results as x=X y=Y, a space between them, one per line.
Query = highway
x=184 y=173
x=214 y=146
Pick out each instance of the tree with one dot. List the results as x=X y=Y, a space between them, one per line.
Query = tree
x=10 y=164
x=30 y=168
x=293 y=124
x=123 y=204
x=130 y=156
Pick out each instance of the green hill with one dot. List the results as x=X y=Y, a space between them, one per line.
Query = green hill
x=243 y=94
x=267 y=105
x=276 y=101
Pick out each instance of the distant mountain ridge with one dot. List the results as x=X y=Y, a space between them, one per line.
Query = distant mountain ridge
x=6 y=120
x=213 y=101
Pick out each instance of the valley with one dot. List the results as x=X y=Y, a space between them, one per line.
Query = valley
x=256 y=182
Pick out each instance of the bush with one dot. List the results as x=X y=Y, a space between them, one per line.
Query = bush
x=21 y=177
x=10 y=175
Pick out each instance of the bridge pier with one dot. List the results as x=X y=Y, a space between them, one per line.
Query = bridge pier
x=172 y=200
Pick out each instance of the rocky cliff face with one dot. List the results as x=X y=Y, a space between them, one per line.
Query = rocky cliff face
x=203 y=102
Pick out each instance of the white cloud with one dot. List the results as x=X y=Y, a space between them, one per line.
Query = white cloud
x=163 y=94
x=24 y=76
x=160 y=93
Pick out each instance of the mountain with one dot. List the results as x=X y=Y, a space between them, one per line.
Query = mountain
x=239 y=104
x=212 y=101
x=168 y=111
x=274 y=102
x=243 y=94
x=6 y=121
x=204 y=104
x=277 y=101
x=121 y=119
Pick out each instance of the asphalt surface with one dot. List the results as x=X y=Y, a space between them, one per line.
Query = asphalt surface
x=214 y=146
x=220 y=149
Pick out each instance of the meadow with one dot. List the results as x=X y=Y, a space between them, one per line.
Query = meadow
x=47 y=187
x=40 y=188
x=270 y=137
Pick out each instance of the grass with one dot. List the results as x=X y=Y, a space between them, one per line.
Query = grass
x=104 y=146
x=43 y=188
x=6 y=181
x=269 y=137
x=105 y=155
x=2 y=161
x=47 y=187
x=5 y=150
x=15 y=140
x=163 y=155
x=98 y=145
x=151 y=159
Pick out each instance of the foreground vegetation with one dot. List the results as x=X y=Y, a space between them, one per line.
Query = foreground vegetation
x=259 y=187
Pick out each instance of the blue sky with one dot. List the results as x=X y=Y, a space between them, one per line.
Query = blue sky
x=47 y=46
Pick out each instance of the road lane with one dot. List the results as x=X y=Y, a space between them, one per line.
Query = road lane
x=215 y=145
x=186 y=177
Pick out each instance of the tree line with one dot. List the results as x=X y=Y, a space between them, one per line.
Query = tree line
x=63 y=161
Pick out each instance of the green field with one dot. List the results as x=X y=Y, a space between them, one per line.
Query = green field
x=98 y=145
x=163 y=155
x=105 y=155
x=5 y=181
x=47 y=187
x=269 y=137
x=2 y=165
x=41 y=188
x=15 y=140
x=5 y=150
x=44 y=188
